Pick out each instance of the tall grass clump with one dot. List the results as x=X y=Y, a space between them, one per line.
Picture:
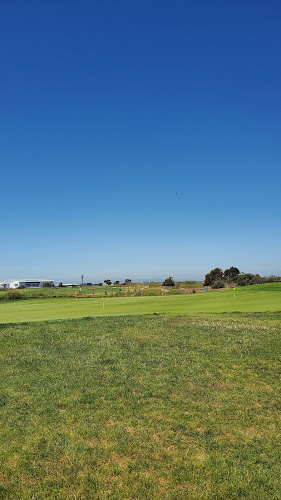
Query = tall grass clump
x=11 y=296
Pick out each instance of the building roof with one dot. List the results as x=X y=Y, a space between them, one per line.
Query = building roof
x=24 y=279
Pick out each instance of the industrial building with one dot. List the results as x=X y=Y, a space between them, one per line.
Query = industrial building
x=27 y=283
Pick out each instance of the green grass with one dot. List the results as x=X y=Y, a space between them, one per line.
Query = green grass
x=87 y=291
x=141 y=407
x=63 y=291
x=127 y=406
x=259 y=298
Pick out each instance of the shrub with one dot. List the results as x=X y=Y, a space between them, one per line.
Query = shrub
x=218 y=284
x=13 y=296
x=256 y=280
x=245 y=279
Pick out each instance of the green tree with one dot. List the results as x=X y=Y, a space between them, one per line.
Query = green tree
x=169 y=281
x=213 y=275
x=231 y=274
x=208 y=280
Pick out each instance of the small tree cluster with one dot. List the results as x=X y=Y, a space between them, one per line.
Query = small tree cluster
x=168 y=282
x=217 y=274
x=255 y=279
x=217 y=278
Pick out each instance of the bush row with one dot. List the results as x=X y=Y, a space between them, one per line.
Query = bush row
x=255 y=279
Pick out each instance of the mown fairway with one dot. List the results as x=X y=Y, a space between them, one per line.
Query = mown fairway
x=259 y=298
x=141 y=407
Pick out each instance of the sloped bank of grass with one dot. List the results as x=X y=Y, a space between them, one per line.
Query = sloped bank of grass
x=141 y=407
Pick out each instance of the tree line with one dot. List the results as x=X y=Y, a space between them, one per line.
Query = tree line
x=217 y=278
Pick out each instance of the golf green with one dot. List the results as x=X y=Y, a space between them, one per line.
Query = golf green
x=250 y=300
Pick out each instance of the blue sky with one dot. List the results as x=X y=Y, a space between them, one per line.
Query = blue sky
x=139 y=139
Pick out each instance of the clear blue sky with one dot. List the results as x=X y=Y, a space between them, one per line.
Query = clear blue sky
x=139 y=139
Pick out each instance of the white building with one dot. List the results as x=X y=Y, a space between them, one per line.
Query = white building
x=27 y=283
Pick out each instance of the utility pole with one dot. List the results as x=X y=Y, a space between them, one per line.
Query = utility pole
x=82 y=277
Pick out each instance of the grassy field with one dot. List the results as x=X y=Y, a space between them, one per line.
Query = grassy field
x=181 y=405
x=46 y=292
x=257 y=298
x=113 y=291
x=141 y=407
